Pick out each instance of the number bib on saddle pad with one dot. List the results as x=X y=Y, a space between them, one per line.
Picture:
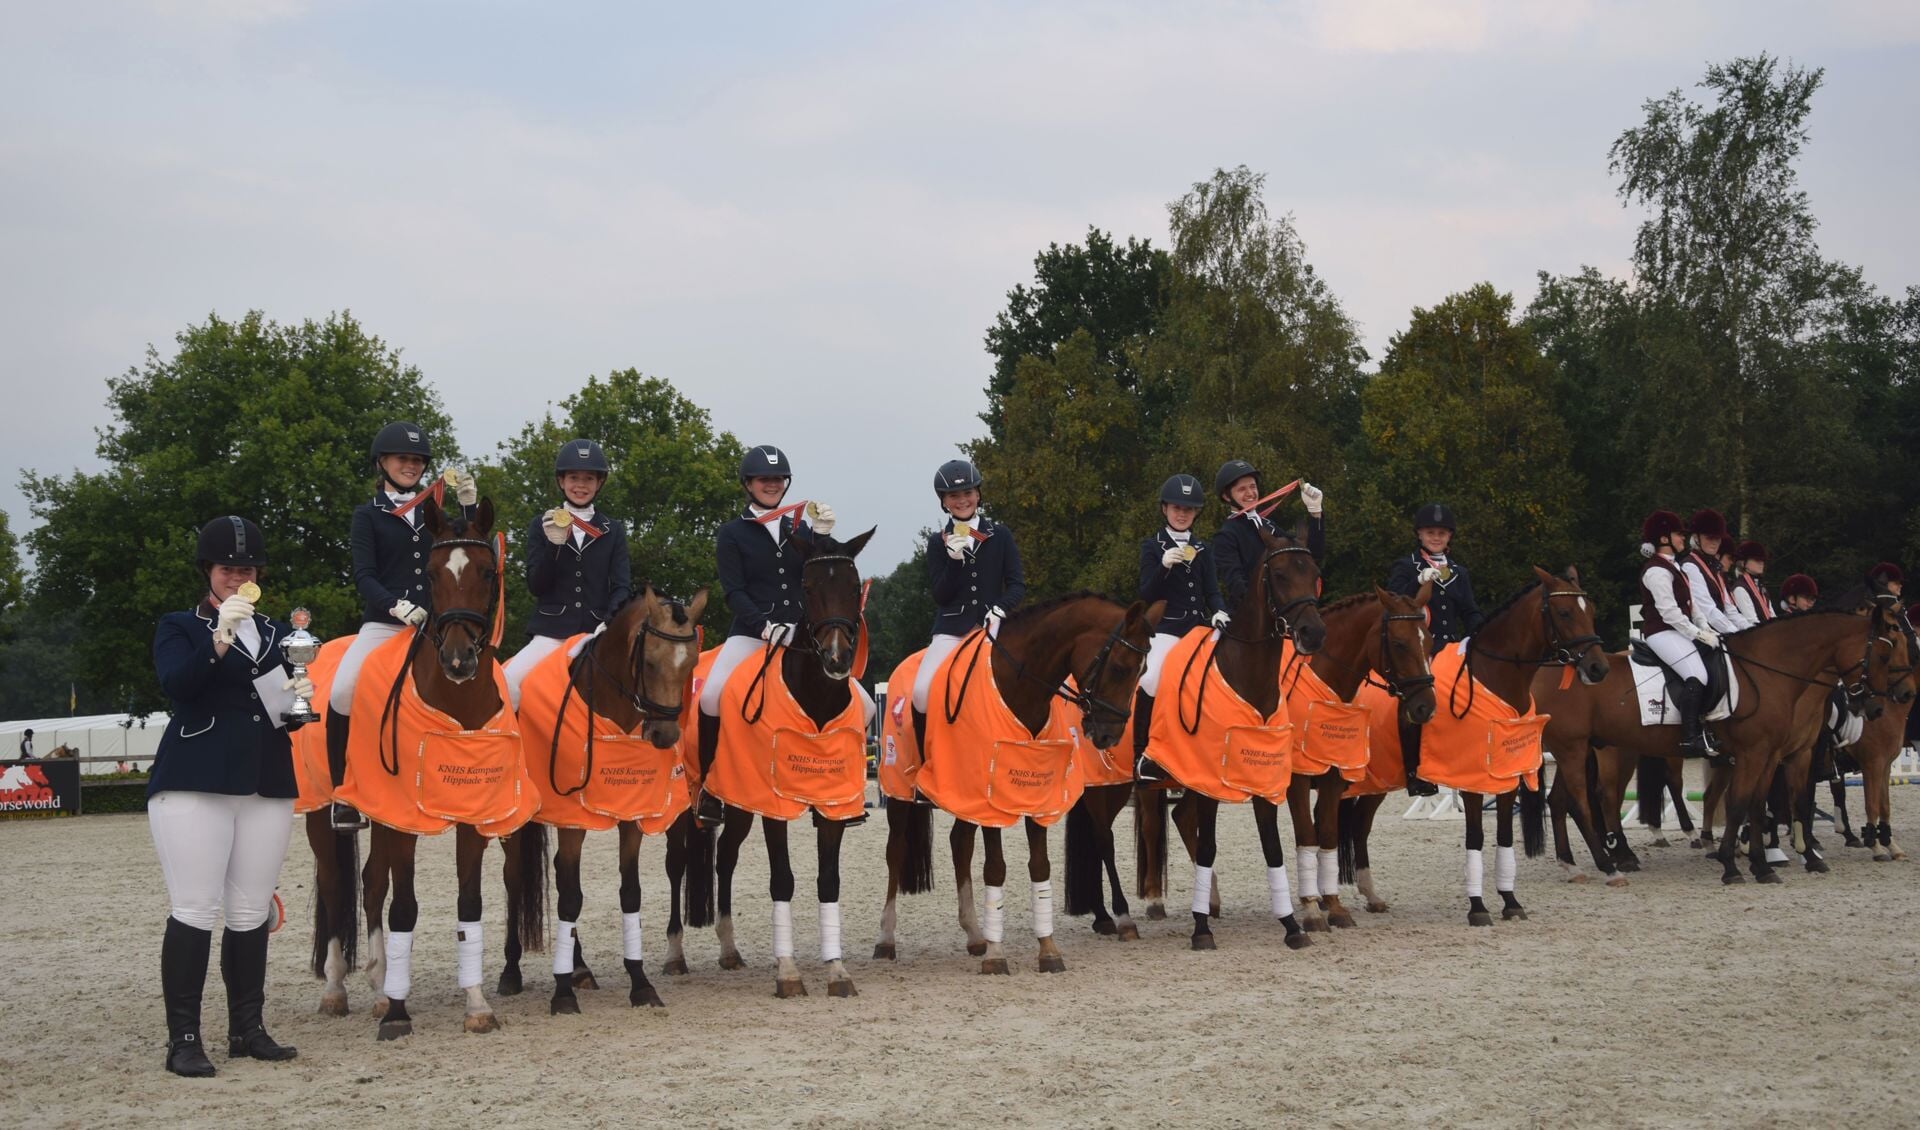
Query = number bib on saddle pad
x=626 y=777
x=1231 y=753
x=437 y=774
x=310 y=741
x=1490 y=750
x=985 y=766
x=780 y=764
x=1327 y=732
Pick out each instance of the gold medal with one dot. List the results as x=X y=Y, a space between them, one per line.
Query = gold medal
x=1446 y=573
x=248 y=592
x=812 y=511
x=1189 y=552
x=558 y=516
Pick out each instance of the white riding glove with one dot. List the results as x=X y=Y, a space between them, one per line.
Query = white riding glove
x=598 y=628
x=957 y=546
x=1312 y=496
x=234 y=611
x=1175 y=556
x=300 y=685
x=779 y=635
x=1708 y=636
x=823 y=519
x=559 y=533
x=1221 y=619
x=1428 y=575
x=994 y=616
x=466 y=489
x=407 y=612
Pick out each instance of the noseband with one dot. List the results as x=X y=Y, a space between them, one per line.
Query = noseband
x=1087 y=698
x=1396 y=685
x=819 y=629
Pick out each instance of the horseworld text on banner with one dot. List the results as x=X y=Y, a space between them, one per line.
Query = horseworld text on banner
x=40 y=786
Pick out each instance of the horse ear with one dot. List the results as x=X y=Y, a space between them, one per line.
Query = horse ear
x=859 y=543
x=1142 y=612
x=698 y=604
x=1268 y=539
x=1543 y=576
x=1573 y=573
x=483 y=516
x=431 y=519
x=1300 y=531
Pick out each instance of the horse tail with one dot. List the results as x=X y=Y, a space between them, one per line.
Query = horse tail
x=1150 y=840
x=700 y=872
x=1533 y=820
x=916 y=822
x=1349 y=816
x=336 y=910
x=1083 y=861
x=1650 y=781
x=530 y=901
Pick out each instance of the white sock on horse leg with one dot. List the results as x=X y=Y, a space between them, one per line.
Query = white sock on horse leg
x=631 y=947
x=994 y=928
x=1475 y=869
x=1329 y=873
x=563 y=948
x=1043 y=909
x=782 y=930
x=467 y=953
x=1503 y=868
x=1277 y=887
x=830 y=931
x=399 y=978
x=1202 y=889
x=1309 y=871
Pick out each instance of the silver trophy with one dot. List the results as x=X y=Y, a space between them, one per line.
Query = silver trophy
x=301 y=647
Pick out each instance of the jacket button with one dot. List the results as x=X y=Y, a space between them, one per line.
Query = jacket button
x=576 y=588
x=416 y=572
x=255 y=671
x=416 y=553
x=256 y=718
x=576 y=604
x=781 y=571
x=783 y=584
x=255 y=695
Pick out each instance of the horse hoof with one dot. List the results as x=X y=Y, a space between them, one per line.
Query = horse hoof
x=1616 y=881
x=1203 y=942
x=1313 y=925
x=1732 y=879
x=1852 y=840
x=1881 y=856
x=1052 y=963
x=509 y=984
x=1817 y=867
x=563 y=1006
x=1628 y=863
x=885 y=951
x=1105 y=926
x=380 y=1008
x=1513 y=913
x=1695 y=843
x=1657 y=841
x=394 y=1029
x=482 y=1023
x=1896 y=856
x=677 y=967
x=1768 y=877
x=1155 y=912
x=644 y=997
x=975 y=949
x=786 y=990
x=1577 y=877
x=1377 y=906
x=994 y=965
x=1479 y=918
x=1128 y=932
x=1298 y=941
x=732 y=961
x=1341 y=918
x=584 y=979
x=333 y=1004
x=842 y=988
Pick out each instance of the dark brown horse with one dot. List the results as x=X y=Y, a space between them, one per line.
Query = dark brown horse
x=1102 y=646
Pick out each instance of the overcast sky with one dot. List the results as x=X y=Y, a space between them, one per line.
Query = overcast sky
x=806 y=215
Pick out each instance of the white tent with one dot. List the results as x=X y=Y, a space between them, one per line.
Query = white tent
x=121 y=737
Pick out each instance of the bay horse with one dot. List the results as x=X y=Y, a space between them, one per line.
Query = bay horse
x=817 y=670
x=455 y=675
x=631 y=679
x=1875 y=753
x=1102 y=647
x=1281 y=605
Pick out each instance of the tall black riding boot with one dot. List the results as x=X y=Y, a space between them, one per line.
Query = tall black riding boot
x=183 y=974
x=1145 y=769
x=1410 y=759
x=1691 y=699
x=243 y=965
x=343 y=817
x=708 y=810
x=920 y=739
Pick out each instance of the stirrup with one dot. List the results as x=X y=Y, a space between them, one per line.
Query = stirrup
x=1419 y=786
x=709 y=811
x=920 y=799
x=1147 y=770
x=345 y=817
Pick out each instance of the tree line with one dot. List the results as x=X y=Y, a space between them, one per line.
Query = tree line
x=1737 y=368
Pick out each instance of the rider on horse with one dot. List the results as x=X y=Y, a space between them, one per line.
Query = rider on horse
x=1237 y=546
x=975 y=569
x=1701 y=565
x=1177 y=567
x=389 y=569
x=577 y=566
x=1674 y=623
x=1749 y=591
x=1886 y=577
x=760 y=567
x=1452 y=612
x=1798 y=594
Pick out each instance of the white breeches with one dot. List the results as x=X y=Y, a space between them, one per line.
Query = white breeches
x=1157 y=648
x=938 y=649
x=523 y=661
x=1679 y=653
x=340 y=692
x=732 y=652
x=220 y=851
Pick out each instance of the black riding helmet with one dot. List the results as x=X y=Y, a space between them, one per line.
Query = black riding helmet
x=401 y=437
x=763 y=462
x=231 y=540
x=956 y=474
x=1433 y=514
x=1231 y=472
x=1183 y=490
x=580 y=455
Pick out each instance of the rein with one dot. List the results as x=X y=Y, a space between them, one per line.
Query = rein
x=1560 y=651
x=588 y=663
x=1086 y=697
x=468 y=617
x=815 y=635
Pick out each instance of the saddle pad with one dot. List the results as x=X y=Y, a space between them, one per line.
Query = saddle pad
x=310 y=770
x=985 y=766
x=751 y=771
x=1656 y=707
x=1220 y=757
x=899 y=745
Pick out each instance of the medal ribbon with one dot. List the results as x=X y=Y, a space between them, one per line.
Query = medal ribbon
x=437 y=492
x=1270 y=503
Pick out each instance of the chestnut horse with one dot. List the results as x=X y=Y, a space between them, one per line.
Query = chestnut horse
x=1875 y=752
x=1102 y=646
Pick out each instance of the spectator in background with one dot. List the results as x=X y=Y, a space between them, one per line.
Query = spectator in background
x=26 y=744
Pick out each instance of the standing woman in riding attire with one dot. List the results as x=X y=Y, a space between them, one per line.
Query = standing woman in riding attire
x=1177 y=567
x=1452 y=612
x=760 y=565
x=220 y=797
x=390 y=548
x=577 y=565
x=1798 y=593
x=1673 y=623
x=1749 y=591
x=1700 y=563
x=974 y=567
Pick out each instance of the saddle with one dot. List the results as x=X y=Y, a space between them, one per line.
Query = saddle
x=1656 y=710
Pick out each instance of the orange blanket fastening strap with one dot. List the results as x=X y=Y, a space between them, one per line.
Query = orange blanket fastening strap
x=1488 y=751
x=629 y=777
x=1328 y=733
x=1232 y=753
x=985 y=767
x=780 y=764
x=310 y=741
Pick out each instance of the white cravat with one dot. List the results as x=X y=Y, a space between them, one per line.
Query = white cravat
x=772 y=528
x=412 y=516
x=248 y=633
x=585 y=514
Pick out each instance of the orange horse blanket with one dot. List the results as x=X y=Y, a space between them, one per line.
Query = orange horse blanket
x=985 y=767
x=1385 y=772
x=1489 y=750
x=628 y=778
x=441 y=773
x=781 y=765
x=310 y=741
x=1328 y=732
x=1233 y=754
x=899 y=745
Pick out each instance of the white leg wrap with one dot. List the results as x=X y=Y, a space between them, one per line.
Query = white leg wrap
x=1475 y=868
x=1043 y=909
x=1277 y=887
x=1329 y=872
x=1202 y=889
x=1309 y=871
x=563 y=948
x=631 y=947
x=1503 y=869
x=782 y=930
x=467 y=953
x=399 y=979
x=994 y=928
x=830 y=931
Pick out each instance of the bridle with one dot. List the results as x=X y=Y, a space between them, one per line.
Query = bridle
x=1088 y=686
x=1279 y=611
x=817 y=639
x=1396 y=685
x=588 y=662
x=1560 y=651
x=479 y=623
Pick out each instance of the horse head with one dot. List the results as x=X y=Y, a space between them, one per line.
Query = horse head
x=830 y=591
x=1291 y=580
x=1107 y=666
x=1566 y=619
x=1403 y=652
x=463 y=573
x=1888 y=662
x=660 y=665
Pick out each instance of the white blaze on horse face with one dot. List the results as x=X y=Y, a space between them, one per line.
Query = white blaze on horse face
x=1582 y=602
x=457 y=563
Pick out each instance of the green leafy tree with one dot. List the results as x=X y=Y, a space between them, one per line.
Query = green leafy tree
x=248 y=417
x=12 y=577
x=674 y=481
